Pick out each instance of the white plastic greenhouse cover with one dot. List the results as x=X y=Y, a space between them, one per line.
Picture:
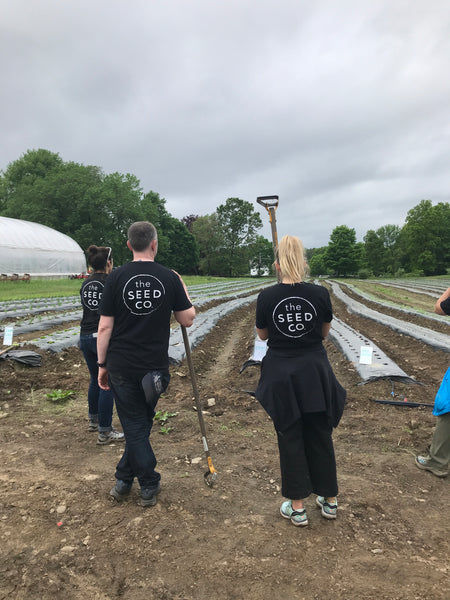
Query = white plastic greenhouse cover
x=27 y=247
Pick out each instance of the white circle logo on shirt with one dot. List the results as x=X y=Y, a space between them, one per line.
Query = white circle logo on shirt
x=294 y=316
x=143 y=294
x=92 y=294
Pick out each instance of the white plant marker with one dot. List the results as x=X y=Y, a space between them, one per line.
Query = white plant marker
x=365 y=355
x=8 y=335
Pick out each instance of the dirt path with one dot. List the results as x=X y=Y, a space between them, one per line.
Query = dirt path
x=62 y=538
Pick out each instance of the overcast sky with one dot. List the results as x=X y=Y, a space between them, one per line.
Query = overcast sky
x=340 y=107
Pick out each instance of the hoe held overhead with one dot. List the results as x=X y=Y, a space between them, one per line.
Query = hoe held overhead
x=270 y=203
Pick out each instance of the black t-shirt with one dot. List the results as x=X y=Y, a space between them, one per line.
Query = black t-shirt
x=445 y=305
x=294 y=315
x=141 y=296
x=91 y=294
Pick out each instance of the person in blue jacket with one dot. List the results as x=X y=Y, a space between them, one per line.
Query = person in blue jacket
x=438 y=457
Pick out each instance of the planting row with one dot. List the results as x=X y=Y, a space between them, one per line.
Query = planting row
x=204 y=322
x=437 y=340
x=408 y=311
x=434 y=287
x=234 y=295
x=200 y=294
x=230 y=294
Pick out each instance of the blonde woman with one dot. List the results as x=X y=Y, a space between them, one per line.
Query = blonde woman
x=298 y=388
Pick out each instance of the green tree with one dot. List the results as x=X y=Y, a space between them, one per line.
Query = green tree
x=390 y=234
x=209 y=239
x=375 y=252
x=261 y=256
x=21 y=184
x=117 y=202
x=32 y=165
x=342 y=256
x=239 y=224
x=317 y=263
x=60 y=198
x=78 y=200
x=425 y=238
x=177 y=247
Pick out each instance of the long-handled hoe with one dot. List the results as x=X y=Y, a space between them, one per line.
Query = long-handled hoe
x=211 y=473
x=270 y=203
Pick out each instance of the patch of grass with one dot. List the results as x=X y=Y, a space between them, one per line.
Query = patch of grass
x=39 y=288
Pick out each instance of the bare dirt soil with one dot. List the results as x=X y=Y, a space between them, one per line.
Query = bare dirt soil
x=62 y=537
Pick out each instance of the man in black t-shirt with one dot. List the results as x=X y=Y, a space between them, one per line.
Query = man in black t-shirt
x=132 y=347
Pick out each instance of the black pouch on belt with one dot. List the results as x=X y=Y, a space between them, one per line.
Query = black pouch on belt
x=154 y=383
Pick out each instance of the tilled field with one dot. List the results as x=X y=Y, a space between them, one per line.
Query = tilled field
x=63 y=538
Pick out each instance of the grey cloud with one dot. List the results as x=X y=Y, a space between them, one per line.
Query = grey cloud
x=340 y=108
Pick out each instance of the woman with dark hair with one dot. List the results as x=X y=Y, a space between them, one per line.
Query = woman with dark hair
x=298 y=388
x=100 y=402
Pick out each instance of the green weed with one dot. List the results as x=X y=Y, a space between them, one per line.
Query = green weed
x=162 y=417
x=60 y=396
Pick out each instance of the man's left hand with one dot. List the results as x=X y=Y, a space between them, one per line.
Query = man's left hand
x=103 y=378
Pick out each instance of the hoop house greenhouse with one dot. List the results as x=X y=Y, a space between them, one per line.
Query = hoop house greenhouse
x=38 y=250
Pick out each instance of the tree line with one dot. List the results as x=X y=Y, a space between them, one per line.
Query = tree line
x=97 y=208
x=420 y=247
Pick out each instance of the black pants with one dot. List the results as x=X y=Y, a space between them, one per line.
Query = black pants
x=307 y=460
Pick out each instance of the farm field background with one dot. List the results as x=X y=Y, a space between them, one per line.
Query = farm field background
x=61 y=536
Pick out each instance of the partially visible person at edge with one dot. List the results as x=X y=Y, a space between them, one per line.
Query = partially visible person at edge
x=438 y=458
x=297 y=387
x=132 y=346
x=100 y=402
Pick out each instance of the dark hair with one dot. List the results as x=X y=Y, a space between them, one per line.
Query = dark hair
x=141 y=234
x=98 y=256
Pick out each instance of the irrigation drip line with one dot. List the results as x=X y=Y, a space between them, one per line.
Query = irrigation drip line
x=404 y=403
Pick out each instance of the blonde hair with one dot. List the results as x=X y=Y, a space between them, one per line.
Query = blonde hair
x=291 y=258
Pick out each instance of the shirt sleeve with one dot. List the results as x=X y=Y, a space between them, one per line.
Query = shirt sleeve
x=182 y=302
x=328 y=313
x=107 y=302
x=261 y=322
x=445 y=305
